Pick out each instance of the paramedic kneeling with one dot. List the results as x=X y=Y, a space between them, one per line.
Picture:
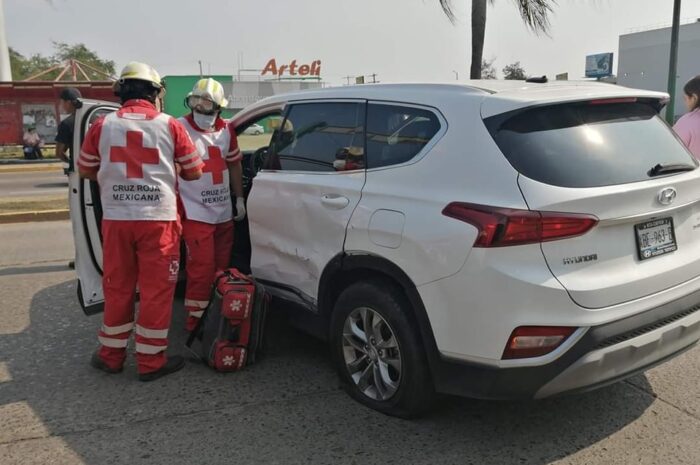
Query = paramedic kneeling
x=135 y=154
x=207 y=227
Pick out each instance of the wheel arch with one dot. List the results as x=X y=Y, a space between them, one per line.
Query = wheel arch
x=347 y=268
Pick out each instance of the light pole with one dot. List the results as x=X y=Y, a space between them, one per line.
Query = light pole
x=456 y=74
x=5 y=70
x=673 y=62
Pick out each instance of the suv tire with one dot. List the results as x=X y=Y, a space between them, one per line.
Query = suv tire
x=384 y=368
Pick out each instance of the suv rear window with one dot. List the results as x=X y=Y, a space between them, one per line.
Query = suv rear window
x=587 y=144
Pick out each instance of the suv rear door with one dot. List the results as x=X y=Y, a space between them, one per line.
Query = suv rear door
x=302 y=200
x=86 y=215
x=618 y=161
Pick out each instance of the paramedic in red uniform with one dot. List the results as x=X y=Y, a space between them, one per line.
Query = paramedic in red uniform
x=208 y=225
x=135 y=155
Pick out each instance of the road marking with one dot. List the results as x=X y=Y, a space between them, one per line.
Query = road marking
x=5 y=375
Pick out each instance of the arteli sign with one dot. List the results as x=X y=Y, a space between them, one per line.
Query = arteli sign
x=292 y=69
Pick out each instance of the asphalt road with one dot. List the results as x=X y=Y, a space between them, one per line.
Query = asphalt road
x=33 y=184
x=55 y=409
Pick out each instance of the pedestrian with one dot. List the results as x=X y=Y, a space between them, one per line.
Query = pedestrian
x=208 y=211
x=32 y=144
x=68 y=104
x=688 y=126
x=135 y=154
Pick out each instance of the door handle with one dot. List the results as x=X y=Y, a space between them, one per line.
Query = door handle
x=336 y=202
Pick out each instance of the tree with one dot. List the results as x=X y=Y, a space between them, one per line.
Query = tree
x=488 y=71
x=535 y=14
x=514 y=71
x=80 y=52
x=24 y=67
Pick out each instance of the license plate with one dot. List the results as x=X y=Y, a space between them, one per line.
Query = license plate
x=655 y=238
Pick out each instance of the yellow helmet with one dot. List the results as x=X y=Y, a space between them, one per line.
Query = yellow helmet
x=141 y=71
x=210 y=89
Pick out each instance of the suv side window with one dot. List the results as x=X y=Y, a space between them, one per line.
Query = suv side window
x=257 y=133
x=395 y=134
x=323 y=137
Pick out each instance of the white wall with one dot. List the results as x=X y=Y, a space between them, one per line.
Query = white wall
x=644 y=59
x=243 y=93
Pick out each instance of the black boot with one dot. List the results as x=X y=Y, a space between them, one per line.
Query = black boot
x=174 y=363
x=96 y=362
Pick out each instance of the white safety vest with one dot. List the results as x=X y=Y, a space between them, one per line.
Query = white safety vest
x=137 y=174
x=208 y=199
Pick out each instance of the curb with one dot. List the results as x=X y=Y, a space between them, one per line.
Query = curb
x=29 y=169
x=31 y=216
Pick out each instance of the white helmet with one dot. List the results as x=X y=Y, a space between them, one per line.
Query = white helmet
x=140 y=71
x=207 y=89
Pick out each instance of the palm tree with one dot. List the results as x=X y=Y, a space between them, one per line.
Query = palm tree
x=535 y=14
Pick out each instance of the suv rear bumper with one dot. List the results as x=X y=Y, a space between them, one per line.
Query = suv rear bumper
x=603 y=355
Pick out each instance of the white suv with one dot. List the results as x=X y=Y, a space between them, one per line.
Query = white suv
x=495 y=240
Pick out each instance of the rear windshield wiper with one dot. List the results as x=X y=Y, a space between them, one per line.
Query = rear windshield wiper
x=660 y=169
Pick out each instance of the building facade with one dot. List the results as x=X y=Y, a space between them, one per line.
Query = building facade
x=240 y=93
x=644 y=60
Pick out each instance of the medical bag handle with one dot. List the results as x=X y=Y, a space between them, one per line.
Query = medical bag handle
x=196 y=332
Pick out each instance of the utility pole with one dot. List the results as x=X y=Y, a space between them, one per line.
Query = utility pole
x=374 y=78
x=673 y=62
x=348 y=79
x=5 y=69
x=201 y=75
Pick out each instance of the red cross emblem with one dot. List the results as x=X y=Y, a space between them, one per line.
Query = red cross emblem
x=135 y=155
x=215 y=164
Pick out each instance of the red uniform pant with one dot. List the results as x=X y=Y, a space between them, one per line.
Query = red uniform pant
x=208 y=250
x=146 y=253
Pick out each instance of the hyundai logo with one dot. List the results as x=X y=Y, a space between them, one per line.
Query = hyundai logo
x=667 y=196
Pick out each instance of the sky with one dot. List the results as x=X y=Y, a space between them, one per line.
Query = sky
x=399 y=40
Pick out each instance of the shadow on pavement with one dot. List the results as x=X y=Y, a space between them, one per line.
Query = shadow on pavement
x=51 y=184
x=37 y=269
x=286 y=409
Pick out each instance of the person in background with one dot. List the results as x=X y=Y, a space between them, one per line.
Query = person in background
x=32 y=144
x=208 y=227
x=69 y=102
x=688 y=126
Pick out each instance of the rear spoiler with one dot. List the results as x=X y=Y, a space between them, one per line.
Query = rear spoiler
x=493 y=123
x=508 y=102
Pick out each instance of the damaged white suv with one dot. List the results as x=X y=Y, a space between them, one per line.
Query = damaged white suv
x=495 y=240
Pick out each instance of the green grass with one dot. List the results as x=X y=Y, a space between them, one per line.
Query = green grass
x=26 y=204
x=248 y=142
x=13 y=152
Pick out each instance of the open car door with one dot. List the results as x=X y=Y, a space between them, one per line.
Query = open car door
x=86 y=214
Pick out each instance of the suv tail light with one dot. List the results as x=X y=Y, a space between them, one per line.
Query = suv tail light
x=535 y=341
x=499 y=227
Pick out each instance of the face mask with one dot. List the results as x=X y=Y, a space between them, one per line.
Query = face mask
x=204 y=121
